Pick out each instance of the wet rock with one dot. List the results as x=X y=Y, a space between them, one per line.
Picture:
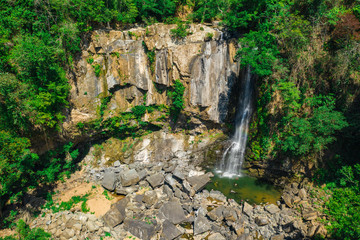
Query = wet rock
x=173 y=212
x=198 y=182
x=272 y=208
x=109 y=181
x=156 y=180
x=129 y=177
x=140 y=229
x=170 y=231
x=261 y=221
x=201 y=224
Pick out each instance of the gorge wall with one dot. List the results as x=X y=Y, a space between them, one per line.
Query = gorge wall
x=119 y=70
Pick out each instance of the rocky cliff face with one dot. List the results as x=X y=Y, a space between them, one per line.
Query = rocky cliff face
x=138 y=66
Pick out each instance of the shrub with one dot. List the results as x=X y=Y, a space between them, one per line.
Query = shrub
x=177 y=98
x=180 y=31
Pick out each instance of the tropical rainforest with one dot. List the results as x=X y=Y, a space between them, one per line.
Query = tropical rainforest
x=305 y=54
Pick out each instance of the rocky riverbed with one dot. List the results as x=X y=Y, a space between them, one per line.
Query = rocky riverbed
x=168 y=201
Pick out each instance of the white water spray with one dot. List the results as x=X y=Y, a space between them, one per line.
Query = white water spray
x=233 y=156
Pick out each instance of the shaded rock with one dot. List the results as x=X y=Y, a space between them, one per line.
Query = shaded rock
x=170 y=180
x=272 y=208
x=261 y=221
x=156 y=180
x=150 y=198
x=248 y=209
x=109 y=181
x=302 y=193
x=201 y=224
x=216 y=236
x=216 y=214
x=198 y=182
x=309 y=215
x=129 y=177
x=321 y=231
x=170 y=231
x=277 y=237
x=173 y=212
x=287 y=199
x=178 y=172
x=167 y=190
x=140 y=229
x=142 y=174
x=116 y=214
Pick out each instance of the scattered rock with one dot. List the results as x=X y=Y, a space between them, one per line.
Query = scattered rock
x=170 y=231
x=109 y=181
x=198 y=182
x=173 y=212
x=201 y=224
x=248 y=209
x=309 y=215
x=272 y=208
x=216 y=236
x=129 y=177
x=261 y=221
x=156 y=180
x=116 y=214
x=140 y=229
x=302 y=194
x=150 y=198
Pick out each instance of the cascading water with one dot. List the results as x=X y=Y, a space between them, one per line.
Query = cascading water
x=233 y=157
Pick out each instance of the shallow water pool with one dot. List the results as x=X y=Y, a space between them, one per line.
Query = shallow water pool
x=246 y=188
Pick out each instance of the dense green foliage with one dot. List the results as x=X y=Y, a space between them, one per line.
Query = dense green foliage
x=25 y=233
x=177 y=98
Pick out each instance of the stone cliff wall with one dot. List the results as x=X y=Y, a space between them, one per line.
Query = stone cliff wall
x=117 y=64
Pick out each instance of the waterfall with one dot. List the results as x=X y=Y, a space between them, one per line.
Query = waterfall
x=233 y=157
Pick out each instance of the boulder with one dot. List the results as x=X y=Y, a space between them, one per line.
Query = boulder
x=277 y=237
x=217 y=195
x=248 y=209
x=302 y=194
x=142 y=174
x=167 y=190
x=261 y=221
x=109 y=181
x=140 y=229
x=117 y=164
x=201 y=225
x=156 y=180
x=198 y=182
x=287 y=199
x=272 y=208
x=129 y=177
x=179 y=173
x=170 y=180
x=309 y=215
x=116 y=214
x=216 y=236
x=170 y=231
x=68 y=233
x=150 y=198
x=216 y=214
x=173 y=212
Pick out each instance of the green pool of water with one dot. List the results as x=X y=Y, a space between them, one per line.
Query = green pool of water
x=245 y=188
